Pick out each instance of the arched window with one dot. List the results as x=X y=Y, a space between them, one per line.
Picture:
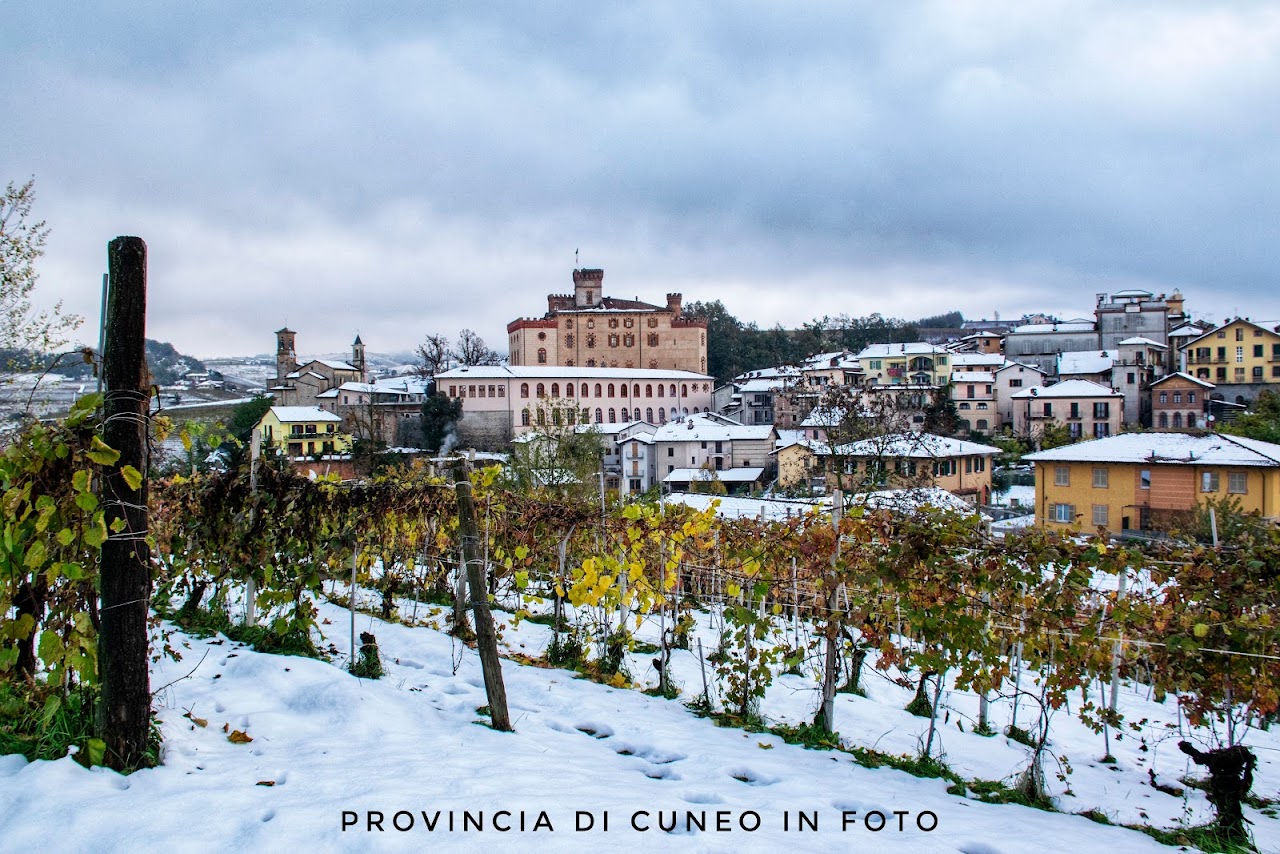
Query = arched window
x=635 y=392
x=662 y=412
x=661 y=389
x=598 y=394
x=1191 y=419
x=611 y=390
x=542 y=390
x=1164 y=419
x=555 y=389
x=648 y=414
x=981 y=424
x=542 y=417
x=648 y=389
x=623 y=388
x=524 y=416
x=524 y=390
x=591 y=363
x=636 y=414
x=599 y=416
x=684 y=390
x=612 y=415
x=568 y=389
x=1177 y=421
x=673 y=389
x=684 y=411
x=583 y=390
x=542 y=355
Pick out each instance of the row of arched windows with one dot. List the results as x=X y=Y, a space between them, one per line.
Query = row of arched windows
x=609 y=390
x=527 y=417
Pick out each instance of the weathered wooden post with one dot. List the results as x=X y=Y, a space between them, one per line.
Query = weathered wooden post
x=125 y=579
x=486 y=636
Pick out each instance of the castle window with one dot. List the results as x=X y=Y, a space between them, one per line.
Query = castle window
x=653 y=323
x=591 y=339
x=613 y=323
x=542 y=355
x=628 y=340
x=648 y=390
x=635 y=392
x=524 y=390
x=568 y=323
x=598 y=392
x=555 y=389
x=568 y=340
x=611 y=393
x=661 y=389
x=591 y=363
x=591 y=323
x=542 y=390
x=568 y=389
x=542 y=336
x=613 y=339
x=568 y=363
x=583 y=392
x=684 y=390
x=629 y=322
x=653 y=366
x=652 y=339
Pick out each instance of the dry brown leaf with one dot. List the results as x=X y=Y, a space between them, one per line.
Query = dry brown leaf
x=265 y=783
x=238 y=737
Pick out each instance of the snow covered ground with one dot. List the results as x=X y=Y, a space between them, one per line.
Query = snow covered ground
x=331 y=756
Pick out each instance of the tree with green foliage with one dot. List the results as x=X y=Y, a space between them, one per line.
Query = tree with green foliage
x=1261 y=422
x=439 y=415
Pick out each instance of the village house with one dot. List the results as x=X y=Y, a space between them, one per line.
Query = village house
x=1179 y=402
x=303 y=431
x=920 y=365
x=973 y=393
x=588 y=329
x=1010 y=379
x=737 y=454
x=1086 y=409
x=1153 y=480
x=500 y=402
x=1241 y=358
x=892 y=461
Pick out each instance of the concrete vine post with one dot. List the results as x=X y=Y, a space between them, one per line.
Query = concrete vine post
x=124 y=715
x=486 y=635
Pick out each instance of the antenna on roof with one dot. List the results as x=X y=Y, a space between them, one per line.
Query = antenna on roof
x=575 y=259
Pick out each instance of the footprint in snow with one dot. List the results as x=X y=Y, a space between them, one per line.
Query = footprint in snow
x=408 y=662
x=977 y=848
x=661 y=772
x=751 y=778
x=219 y=708
x=703 y=798
x=268 y=815
x=559 y=727
x=454 y=690
x=595 y=730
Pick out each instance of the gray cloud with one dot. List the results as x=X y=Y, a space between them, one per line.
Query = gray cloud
x=401 y=171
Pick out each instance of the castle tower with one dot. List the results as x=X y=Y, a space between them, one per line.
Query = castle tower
x=587 y=288
x=286 y=355
x=357 y=357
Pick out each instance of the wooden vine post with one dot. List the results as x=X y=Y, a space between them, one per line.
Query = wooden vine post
x=486 y=636
x=124 y=714
x=829 y=660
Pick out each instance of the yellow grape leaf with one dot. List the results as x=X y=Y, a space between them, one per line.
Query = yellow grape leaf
x=132 y=477
x=238 y=737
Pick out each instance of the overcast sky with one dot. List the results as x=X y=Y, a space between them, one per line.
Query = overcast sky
x=396 y=169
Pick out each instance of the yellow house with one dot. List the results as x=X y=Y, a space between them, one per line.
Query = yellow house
x=894 y=461
x=1241 y=352
x=303 y=431
x=1153 y=480
x=905 y=364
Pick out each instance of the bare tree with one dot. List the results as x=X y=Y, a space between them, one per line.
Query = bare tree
x=434 y=356
x=472 y=350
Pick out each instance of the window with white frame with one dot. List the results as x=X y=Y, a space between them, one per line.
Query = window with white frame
x=1209 y=481
x=1064 y=513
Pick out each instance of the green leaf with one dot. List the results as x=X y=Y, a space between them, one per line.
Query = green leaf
x=132 y=477
x=36 y=555
x=95 y=750
x=95 y=535
x=87 y=501
x=50 y=648
x=80 y=480
x=101 y=453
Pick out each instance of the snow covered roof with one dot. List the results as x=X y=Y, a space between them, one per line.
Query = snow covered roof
x=1068 y=388
x=337 y=366
x=731 y=507
x=762 y=386
x=973 y=360
x=1143 y=342
x=1167 y=449
x=972 y=377
x=1048 y=328
x=905 y=445
x=748 y=474
x=1086 y=362
x=1022 y=366
x=911 y=500
x=788 y=437
x=702 y=428
x=1188 y=330
x=617 y=428
x=293 y=414
x=886 y=351
x=1181 y=375
x=552 y=372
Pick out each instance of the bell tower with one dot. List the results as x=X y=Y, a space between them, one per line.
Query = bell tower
x=286 y=355
x=357 y=357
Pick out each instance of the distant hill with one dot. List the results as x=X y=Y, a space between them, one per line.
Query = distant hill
x=166 y=363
